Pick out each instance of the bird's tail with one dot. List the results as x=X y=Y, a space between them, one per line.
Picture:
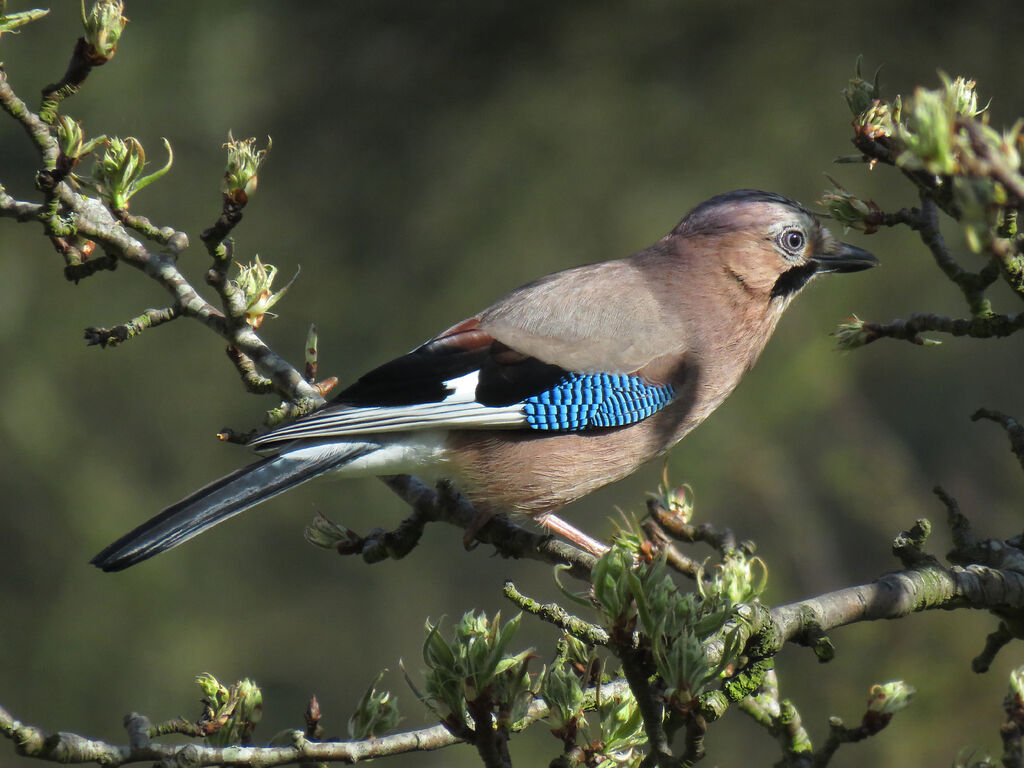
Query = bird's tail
x=226 y=498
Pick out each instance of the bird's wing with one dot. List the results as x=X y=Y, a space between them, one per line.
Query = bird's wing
x=467 y=379
x=616 y=316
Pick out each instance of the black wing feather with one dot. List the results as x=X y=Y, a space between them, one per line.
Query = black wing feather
x=506 y=376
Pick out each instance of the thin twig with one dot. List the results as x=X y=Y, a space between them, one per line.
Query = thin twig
x=555 y=614
x=120 y=333
x=986 y=327
x=1014 y=429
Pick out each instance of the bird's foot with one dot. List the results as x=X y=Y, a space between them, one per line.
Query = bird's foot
x=573 y=534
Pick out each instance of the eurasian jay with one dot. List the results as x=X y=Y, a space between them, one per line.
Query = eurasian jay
x=564 y=385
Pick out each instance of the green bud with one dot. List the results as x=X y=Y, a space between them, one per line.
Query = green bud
x=851 y=211
x=215 y=693
x=436 y=651
x=515 y=690
x=610 y=585
x=229 y=714
x=69 y=137
x=1017 y=683
x=376 y=713
x=676 y=623
x=120 y=173
x=244 y=161
x=249 y=709
x=890 y=697
x=930 y=130
x=103 y=27
x=677 y=500
x=324 y=532
x=927 y=134
x=576 y=653
x=444 y=676
x=879 y=120
x=684 y=666
x=562 y=692
x=254 y=281
x=962 y=96
x=620 y=729
x=474 y=665
x=739 y=578
x=859 y=93
x=851 y=334
x=680 y=501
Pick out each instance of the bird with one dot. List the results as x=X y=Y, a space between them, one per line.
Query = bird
x=564 y=385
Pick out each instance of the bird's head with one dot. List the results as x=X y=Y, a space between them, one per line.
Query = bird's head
x=768 y=244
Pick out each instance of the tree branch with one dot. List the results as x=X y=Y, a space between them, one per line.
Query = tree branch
x=986 y=327
x=18 y=210
x=896 y=595
x=450 y=507
x=1014 y=429
x=31 y=741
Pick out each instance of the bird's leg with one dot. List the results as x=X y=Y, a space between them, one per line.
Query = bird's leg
x=573 y=534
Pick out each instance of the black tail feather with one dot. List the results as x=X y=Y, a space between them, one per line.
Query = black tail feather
x=224 y=498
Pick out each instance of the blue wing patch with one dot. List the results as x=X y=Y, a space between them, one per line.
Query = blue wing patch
x=583 y=401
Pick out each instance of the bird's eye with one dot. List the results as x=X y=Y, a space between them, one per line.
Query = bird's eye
x=792 y=240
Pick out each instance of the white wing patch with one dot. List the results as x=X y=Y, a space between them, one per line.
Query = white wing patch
x=459 y=410
x=463 y=388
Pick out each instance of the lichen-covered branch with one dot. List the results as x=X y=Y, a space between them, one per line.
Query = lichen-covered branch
x=896 y=595
x=555 y=614
x=18 y=210
x=120 y=333
x=986 y=327
x=63 y=747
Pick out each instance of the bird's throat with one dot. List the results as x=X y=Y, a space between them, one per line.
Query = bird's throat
x=792 y=280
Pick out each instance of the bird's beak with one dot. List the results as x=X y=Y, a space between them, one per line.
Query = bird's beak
x=846 y=258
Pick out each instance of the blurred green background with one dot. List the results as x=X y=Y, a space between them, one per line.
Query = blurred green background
x=427 y=158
